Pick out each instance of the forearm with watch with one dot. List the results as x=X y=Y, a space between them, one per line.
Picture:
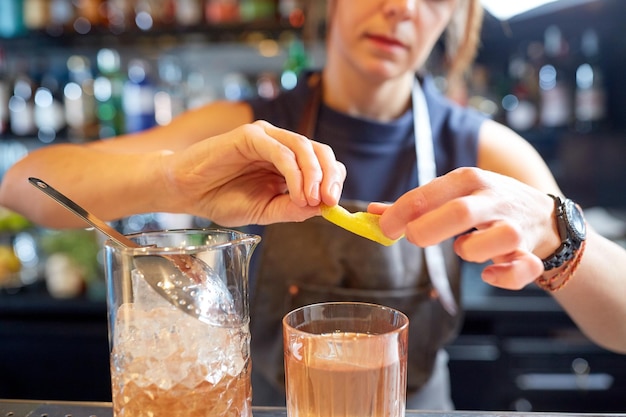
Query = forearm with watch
x=566 y=258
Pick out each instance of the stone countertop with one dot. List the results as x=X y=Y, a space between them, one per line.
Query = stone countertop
x=19 y=408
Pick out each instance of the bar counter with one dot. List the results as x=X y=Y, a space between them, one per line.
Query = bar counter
x=22 y=408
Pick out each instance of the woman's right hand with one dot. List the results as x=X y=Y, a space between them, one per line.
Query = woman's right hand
x=254 y=174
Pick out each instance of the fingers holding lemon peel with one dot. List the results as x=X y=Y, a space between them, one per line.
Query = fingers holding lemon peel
x=360 y=223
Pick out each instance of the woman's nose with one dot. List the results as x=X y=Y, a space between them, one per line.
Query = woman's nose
x=400 y=9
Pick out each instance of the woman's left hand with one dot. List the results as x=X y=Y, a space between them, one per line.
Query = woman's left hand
x=492 y=216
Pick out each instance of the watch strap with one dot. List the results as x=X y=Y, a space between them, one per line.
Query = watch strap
x=569 y=243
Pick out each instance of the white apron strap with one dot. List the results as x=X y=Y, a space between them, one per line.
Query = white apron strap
x=426 y=172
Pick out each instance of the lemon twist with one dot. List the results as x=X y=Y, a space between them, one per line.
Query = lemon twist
x=360 y=223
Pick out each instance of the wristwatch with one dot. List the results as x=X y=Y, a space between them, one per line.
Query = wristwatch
x=572 y=230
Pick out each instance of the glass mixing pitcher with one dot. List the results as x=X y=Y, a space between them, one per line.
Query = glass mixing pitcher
x=179 y=323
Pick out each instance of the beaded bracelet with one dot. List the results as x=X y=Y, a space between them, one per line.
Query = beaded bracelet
x=565 y=274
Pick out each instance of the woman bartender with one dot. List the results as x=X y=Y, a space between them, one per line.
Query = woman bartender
x=461 y=187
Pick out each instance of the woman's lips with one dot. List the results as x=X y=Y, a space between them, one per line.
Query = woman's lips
x=386 y=41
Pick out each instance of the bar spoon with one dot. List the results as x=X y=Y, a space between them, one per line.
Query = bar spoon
x=176 y=277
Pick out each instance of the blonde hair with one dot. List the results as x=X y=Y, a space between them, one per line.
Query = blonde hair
x=463 y=37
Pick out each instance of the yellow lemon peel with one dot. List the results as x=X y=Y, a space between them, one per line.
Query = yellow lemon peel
x=360 y=223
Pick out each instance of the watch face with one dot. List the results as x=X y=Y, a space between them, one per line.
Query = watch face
x=575 y=219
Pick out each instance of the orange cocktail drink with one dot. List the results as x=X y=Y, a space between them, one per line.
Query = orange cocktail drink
x=345 y=360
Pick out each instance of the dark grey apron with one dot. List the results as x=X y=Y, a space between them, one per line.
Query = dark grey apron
x=315 y=261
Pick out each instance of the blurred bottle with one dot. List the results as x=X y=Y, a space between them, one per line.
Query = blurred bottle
x=590 y=101
x=12 y=18
x=169 y=99
x=236 y=87
x=89 y=14
x=153 y=14
x=291 y=12
x=143 y=15
x=108 y=89
x=91 y=10
x=189 y=13
x=5 y=93
x=62 y=15
x=297 y=60
x=221 y=11
x=79 y=100
x=49 y=107
x=520 y=105
x=163 y=12
x=479 y=95
x=169 y=12
x=251 y=10
x=556 y=98
x=118 y=15
x=138 y=97
x=202 y=88
x=22 y=102
x=267 y=85
x=36 y=14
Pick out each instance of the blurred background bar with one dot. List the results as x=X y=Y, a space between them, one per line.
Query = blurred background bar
x=73 y=71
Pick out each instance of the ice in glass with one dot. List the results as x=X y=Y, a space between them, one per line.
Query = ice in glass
x=166 y=362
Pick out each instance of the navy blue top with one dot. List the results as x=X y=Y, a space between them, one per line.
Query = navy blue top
x=380 y=157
